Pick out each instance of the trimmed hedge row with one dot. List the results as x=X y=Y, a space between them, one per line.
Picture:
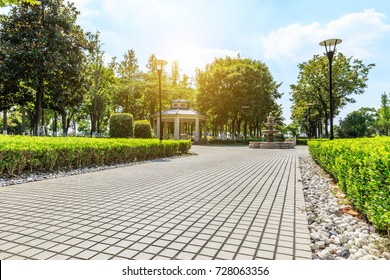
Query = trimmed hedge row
x=20 y=154
x=362 y=169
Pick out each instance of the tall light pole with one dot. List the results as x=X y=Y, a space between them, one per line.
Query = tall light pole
x=160 y=64
x=330 y=53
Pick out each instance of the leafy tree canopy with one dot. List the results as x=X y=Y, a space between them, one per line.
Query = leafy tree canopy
x=357 y=124
x=15 y=2
x=312 y=88
x=236 y=88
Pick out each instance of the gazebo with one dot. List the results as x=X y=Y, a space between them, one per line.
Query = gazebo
x=180 y=122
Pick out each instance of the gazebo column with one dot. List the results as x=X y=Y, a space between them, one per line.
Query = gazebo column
x=177 y=129
x=165 y=130
x=197 y=130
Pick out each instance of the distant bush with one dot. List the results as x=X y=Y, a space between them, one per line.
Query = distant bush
x=228 y=142
x=302 y=141
x=362 y=168
x=279 y=138
x=121 y=125
x=142 y=129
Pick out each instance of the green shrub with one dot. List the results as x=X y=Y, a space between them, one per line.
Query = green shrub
x=142 y=129
x=362 y=169
x=19 y=154
x=121 y=125
x=302 y=141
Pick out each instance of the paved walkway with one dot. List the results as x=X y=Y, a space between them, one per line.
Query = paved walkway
x=224 y=203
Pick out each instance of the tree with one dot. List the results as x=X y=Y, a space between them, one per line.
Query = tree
x=128 y=94
x=349 y=77
x=231 y=90
x=383 y=122
x=44 y=49
x=149 y=102
x=99 y=94
x=357 y=124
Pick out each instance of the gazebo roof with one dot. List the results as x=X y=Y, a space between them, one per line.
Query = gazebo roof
x=180 y=107
x=178 y=111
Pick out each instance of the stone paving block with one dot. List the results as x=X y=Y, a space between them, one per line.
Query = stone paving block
x=30 y=252
x=101 y=256
x=44 y=255
x=15 y=257
x=243 y=257
x=59 y=248
x=86 y=254
x=4 y=256
x=72 y=251
x=265 y=255
x=169 y=253
x=16 y=249
x=203 y=257
x=306 y=254
x=184 y=256
x=279 y=256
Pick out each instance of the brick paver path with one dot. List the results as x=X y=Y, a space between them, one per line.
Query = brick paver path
x=224 y=203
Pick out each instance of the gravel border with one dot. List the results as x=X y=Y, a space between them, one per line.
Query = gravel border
x=337 y=231
x=32 y=177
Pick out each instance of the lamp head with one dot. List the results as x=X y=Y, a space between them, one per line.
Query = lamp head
x=330 y=42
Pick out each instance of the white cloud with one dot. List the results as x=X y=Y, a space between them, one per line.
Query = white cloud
x=87 y=8
x=297 y=42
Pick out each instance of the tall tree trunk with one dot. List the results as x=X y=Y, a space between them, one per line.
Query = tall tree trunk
x=43 y=128
x=93 y=116
x=38 y=107
x=68 y=120
x=64 y=123
x=23 y=120
x=55 y=124
x=5 y=122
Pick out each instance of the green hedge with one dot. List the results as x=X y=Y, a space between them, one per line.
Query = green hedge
x=20 y=154
x=121 y=125
x=302 y=141
x=362 y=169
x=142 y=129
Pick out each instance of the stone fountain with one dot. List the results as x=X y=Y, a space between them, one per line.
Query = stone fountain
x=270 y=128
x=270 y=131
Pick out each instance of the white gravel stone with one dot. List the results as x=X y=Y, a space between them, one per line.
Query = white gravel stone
x=324 y=254
x=335 y=235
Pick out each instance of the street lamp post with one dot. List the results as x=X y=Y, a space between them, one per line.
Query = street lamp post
x=160 y=64
x=330 y=53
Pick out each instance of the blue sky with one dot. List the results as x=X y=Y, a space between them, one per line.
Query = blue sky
x=280 y=33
